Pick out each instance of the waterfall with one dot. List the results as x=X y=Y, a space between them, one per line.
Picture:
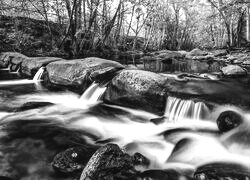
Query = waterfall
x=178 y=109
x=93 y=93
x=39 y=74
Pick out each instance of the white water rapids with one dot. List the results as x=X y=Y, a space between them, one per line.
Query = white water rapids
x=178 y=109
x=184 y=120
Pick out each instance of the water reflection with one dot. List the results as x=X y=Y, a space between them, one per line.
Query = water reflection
x=185 y=65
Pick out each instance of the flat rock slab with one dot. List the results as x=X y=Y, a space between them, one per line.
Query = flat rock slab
x=30 y=66
x=74 y=73
x=138 y=89
x=11 y=57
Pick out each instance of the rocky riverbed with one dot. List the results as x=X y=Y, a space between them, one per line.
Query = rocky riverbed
x=39 y=144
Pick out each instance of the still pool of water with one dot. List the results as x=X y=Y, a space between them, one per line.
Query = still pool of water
x=36 y=124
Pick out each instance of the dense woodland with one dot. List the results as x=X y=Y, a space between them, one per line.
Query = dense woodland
x=88 y=26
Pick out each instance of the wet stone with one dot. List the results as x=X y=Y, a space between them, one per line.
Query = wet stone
x=228 y=120
x=72 y=160
x=222 y=171
x=139 y=159
x=159 y=120
x=109 y=162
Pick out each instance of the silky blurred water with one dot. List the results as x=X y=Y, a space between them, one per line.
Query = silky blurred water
x=186 y=139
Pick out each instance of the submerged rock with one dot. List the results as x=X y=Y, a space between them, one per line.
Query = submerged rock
x=238 y=139
x=32 y=105
x=222 y=171
x=159 y=120
x=138 y=89
x=75 y=73
x=183 y=151
x=228 y=120
x=163 y=175
x=233 y=71
x=140 y=160
x=30 y=66
x=108 y=162
x=72 y=160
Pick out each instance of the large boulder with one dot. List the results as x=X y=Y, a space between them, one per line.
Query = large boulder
x=30 y=66
x=107 y=162
x=11 y=57
x=75 y=73
x=233 y=71
x=138 y=89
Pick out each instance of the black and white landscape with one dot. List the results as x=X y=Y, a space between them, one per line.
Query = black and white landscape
x=124 y=90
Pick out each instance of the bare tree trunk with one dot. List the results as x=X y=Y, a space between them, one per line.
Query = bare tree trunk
x=119 y=24
x=84 y=14
x=248 y=24
x=131 y=19
x=70 y=26
x=111 y=24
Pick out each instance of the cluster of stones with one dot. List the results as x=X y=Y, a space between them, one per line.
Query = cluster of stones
x=233 y=65
x=128 y=87
x=133 y=88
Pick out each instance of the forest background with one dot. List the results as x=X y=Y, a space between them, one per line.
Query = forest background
x=87 y=27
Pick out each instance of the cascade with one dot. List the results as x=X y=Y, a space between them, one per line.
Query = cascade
x=178 y=109
x=39 y=74
x=93 y=93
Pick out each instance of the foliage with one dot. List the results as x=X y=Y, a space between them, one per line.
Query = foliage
x=98 y=25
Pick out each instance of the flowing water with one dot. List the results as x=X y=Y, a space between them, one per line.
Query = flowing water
x=31 y=135
x=178 y=109
x=93 y=93
x=39 y=74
